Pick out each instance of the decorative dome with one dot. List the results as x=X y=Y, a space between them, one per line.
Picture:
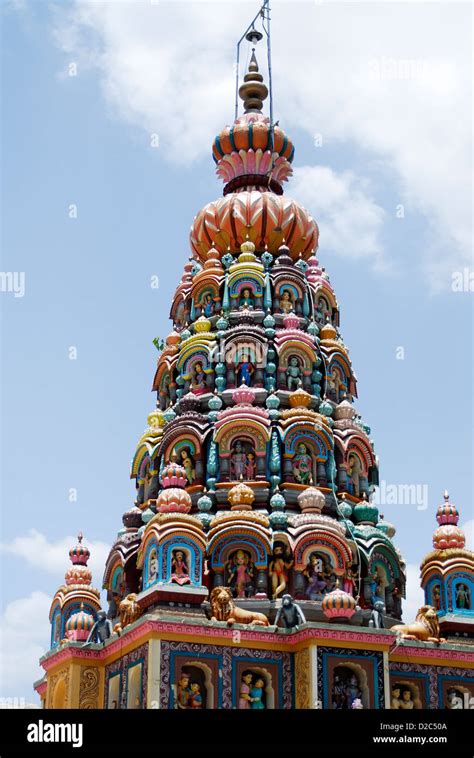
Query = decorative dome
x=78 y=574
x=243 y=395
x=241 y=497
x=338 y=605
x=344 y=411
x=132 y=518
x=173 y=500
x=328 y=332
x=447 y=512
x=79 y=625
x=202 y=325
x=365 y=513
x=173 y=339
x=448 y=536
x=291 y=321
x=311 y=500
x=79 y=554
x=263 y=217
x=300 y=398
x=173 y=475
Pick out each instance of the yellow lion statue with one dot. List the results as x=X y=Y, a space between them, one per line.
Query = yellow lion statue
x=425 y=628
x=130 y=611
x=224 y=609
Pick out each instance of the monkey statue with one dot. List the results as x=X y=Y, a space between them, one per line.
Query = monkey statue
x=101 y=631
x=376 y=618
x=290 y=613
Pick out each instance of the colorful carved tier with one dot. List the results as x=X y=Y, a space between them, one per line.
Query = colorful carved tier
x=447 y=573
x=75 y=604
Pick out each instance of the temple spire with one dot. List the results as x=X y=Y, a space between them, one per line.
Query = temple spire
x=253 y=91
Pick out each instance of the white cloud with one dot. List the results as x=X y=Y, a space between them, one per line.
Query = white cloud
x=24 y=638
x=391 y=80
x=415 y=596
x=350 y=221
x=53 y=557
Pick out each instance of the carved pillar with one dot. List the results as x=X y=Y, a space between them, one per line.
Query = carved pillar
x=321 y=474
x=261 y=583
x=218 y=578
x=342 y=478
x=299 y=585
x=260 y=467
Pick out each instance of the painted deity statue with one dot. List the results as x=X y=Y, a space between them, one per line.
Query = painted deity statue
x=352 y=691
x=179 y=568
x=208 y=305
x=238 y=462
x=279 y=566
x=353 y=475
x=436 y=597
x=183 y=692
x=250 y=468
x=246 y=370
x=350 y=579
x=407 y=703
x=463 y=598
x=188 y=463
x=293 y=374
x=256 y=694
x=396 y=701
x=314 y=573
x=240 y=574
x=286 y=302
x=244 y=694
x=195 y=697
x=338 y=693
x=303 y=465
x=198 y=381
x=247 y=300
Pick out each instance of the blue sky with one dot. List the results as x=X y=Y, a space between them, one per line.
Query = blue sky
x=85 y=140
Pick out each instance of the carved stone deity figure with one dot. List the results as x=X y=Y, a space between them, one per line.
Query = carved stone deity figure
x=240 y=574
x=315 y=574
x=353 y=475
x=407 y=703
x=293 y=374
x=238 y=462
x=463 y=598
x=183 y=692
x=246 y=370
x=179 y=568
x=208 y=305
x=247 y=299
x=198 y=381
x=396 y=701
x=188 y=463
x=303 y=465
x=280 y=564
x=152 y=567
x=286 y=302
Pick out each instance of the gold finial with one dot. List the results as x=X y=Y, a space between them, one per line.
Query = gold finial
x=253 y=91
x=446 y=495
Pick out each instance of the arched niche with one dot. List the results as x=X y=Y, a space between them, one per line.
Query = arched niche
x=186 y=569
x=296 y=363
x=246 y=290
x=224 y=544
x=242 y=449
x=59 y=694
x=134 y=686
x=288 y=296
x=348 y=682
x=206 y=299
x=113 y=694
x=199 y=674
x=266 y=692
x=460 y=592
x=197 y=373
x=245 y=359
x=188 y=449
x=306 y=452
x=325 y=307
x=435 y=594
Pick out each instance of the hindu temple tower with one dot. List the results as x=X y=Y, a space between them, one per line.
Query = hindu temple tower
x=256 y=474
